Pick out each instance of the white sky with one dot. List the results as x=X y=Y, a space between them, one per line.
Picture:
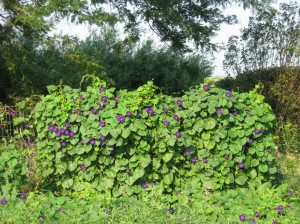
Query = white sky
x=82 y=31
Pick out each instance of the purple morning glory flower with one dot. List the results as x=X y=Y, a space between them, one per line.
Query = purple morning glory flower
x=94 y=111
x=291 y=193
x=67 y=124
x=106 y=211
x=226 y=156
x=26 y=126
x=55 y=128
x=71 y=134
x=252 y=220
x=63 y=144
x=138 y=115
x=66 y=132
x=166 y=123
x=234 y=113
x=187 y=152
x=176 y=118
x=179 y=102
x=92 y=141
x=59 y=209
x=279 y=208
x=178 y=192
x=77 y=111
x=144 y=185
x=288 y=207
x=120 y=118
x=171 y=210
x=256 y=213
x=62 y=131
x=178 y=134
x=82 y=142
x=256 y=131
x=57 y=134
x=128 y=113
x=82 y=167
x=241 y=165
x=3 y=201
x=275 y=222
x=158 y=136
x=165 y=110
x=152 y=182
x=251 y=141
x=219 y=111
x=101 y=89
x=102 y=138
x=149 y=110
x=22 y=195
x=82 y=97
x=102 y=123
x=229 y=94
x=206 y=87
x=242 y=217
x=204 y=160
x=194 y=160
x=11 y=113
x=127 y=171
x=104 y=99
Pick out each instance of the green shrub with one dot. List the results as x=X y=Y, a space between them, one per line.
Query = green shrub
x=125 y=143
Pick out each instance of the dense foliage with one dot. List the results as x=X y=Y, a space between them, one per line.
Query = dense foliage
x=123 y=143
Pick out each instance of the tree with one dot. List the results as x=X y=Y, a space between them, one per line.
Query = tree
x=272 y=39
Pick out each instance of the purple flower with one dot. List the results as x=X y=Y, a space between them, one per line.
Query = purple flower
x=62 y=131
x=127 y=171
x=3 y=201
x=275 y=222
x=82 y=97
x=171 y=210
x=102 y=144
x=252 y=220
x=138 y=115
x=67 y=124
x=11 y=113
x=291 y=193
x=59 y=209
x=74 y=100
x=204 y=160
x=104 y=99
x=165 y=110
x=57 y=134
x=176 y=118
x=178 y=192
x=71 y=134
x=179 y=102
x=92 y=141
x=128 y=113
x=219 y=111
x=63 y=144
x=226 y=156
x=152 y=182
x=82 y=142
x=66 y=132
x=77 y=111
x=251 y=141
x=149 y=110
x=166 y=123
x=94 y=111
x=194 y=160
x=256 y=131
x=102 y=138
x=144 y=185
x=279 y=208
x=206 y=87
x=26 y=126
x=288 y=207
x=120 y=118
x=158 y=136
x=229 y=94
x=22 y=195
x=178 y=134
x=82 y=167
x=241 y=165
x=256 y=213
x=106 y=211
x=242 y=217
x=101 y=89
x=102 y=123
x=187 y=152
x=234 y=113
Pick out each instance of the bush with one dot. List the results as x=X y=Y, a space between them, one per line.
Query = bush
x=125 y=143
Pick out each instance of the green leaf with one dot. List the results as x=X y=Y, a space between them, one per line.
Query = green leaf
x=115 y=132
x=263 y=168
x=145 y=161
x=168 y=178
x=138 y=173
x=168 y=156
x=241 y=178
x=67 y=183
x=253 y=173
x=210 y=123
x=126 y=132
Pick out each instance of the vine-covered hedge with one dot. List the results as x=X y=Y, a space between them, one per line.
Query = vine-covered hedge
x=125 y=143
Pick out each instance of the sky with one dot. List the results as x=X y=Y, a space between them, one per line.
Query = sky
x=82 y=31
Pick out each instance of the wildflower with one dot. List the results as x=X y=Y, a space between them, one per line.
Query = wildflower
x=178 y=192
x=187 y=152
x=234 y=113
x=67 y=124
x=63 y=144
x=82 y=167
x=219 y=111
x=179 y=102
x=204 y=160
x=256 y=213
x=127 y=171
x=241 y=165
x=165 y=110
x=92 y=141
x=82 y=97
x=252 y=220
x=206 y=87
x=171 y=210
x=152 y=182
x=128 y=113
x=229 y=94
x=106 y=211
x=144 y=185
x=251 y=141
x=71 y=134
x=279 y=208
x=102 y=138
x=178 y=134
x=101 y=89
x=166 y=123
x=22 y=195
x=102 y=123
x=149 y=110
x=59 y=209
x=176 y=118
x=194 y=160
x=226 y=156
x=104 y=99
x=3 y=201
x=242 y=217
x=256 y=131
